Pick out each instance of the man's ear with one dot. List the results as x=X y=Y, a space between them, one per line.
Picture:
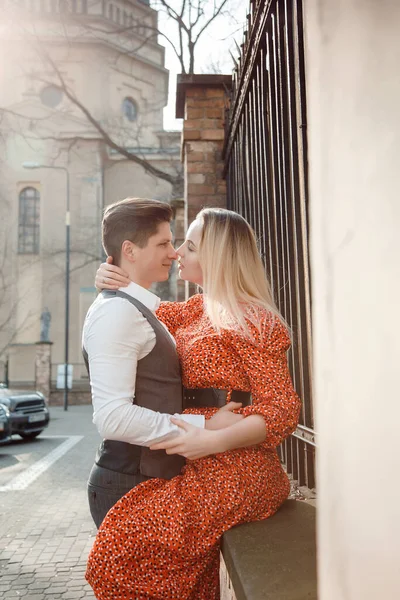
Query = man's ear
x=128 y=250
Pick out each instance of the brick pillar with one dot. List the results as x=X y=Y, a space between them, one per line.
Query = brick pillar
x=178 y=206
x=201 y=101
x=43 y=368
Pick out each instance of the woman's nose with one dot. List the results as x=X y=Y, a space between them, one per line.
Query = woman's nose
x=179 y=251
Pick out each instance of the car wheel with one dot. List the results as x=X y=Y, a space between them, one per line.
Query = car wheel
x=30 y=436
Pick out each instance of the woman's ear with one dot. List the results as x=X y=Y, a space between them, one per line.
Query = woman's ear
x=128 y=250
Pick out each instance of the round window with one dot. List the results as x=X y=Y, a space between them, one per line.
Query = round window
x=51 y=96
x=129 y=109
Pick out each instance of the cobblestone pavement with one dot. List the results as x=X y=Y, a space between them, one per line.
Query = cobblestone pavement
x=46 y=529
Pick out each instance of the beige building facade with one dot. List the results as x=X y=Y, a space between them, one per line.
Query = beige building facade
x=75 y=76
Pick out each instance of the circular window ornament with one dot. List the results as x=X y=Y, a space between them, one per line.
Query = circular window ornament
x=129 y=109
x=51 y=96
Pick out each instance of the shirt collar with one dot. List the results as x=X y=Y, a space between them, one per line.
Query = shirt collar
x=150 y=300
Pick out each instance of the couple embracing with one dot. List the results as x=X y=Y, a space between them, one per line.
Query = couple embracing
x=179 y=466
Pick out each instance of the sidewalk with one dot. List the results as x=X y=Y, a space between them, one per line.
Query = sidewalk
x=46 y=529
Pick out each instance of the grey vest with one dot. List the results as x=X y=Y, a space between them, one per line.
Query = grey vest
x=159 y=388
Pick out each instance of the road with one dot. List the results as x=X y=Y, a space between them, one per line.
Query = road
x=46 y=528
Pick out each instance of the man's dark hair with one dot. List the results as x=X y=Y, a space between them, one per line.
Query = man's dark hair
x=133 y=219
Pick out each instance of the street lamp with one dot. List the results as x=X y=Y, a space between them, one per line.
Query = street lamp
x=34 y=165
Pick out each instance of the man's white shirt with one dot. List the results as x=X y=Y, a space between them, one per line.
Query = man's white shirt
x=116 y=336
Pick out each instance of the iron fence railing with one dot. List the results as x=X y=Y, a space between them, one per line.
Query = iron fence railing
x=266 y=170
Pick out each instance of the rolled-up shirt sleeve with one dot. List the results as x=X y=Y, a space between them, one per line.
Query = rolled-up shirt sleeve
x=115 y=338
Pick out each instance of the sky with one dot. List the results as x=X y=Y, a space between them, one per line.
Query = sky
x=212 y=54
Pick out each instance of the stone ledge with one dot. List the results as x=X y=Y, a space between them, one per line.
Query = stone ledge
x=185 y=82
x=274 y=559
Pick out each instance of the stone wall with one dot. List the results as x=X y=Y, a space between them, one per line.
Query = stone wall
x=353 y=96
x=75 y=397
x=202 y=100
x=226 y=587
x=178 y=225
x=43 y=368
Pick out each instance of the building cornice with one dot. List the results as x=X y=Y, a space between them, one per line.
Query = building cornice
x=105 y=44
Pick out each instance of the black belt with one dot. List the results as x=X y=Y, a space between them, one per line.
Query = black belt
x=212 y=397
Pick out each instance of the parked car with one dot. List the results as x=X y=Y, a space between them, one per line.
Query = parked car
x=5 y=424
x=28 y=411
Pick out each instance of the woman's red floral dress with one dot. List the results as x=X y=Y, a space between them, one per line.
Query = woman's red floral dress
x=161 y=540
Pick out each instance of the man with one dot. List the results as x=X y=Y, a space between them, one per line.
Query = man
x=134 y=369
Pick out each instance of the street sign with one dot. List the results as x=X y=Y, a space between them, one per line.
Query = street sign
x=61 y=376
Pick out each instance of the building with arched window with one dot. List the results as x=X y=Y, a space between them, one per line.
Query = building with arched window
x=70 y=71
x=29 y=221
x=129 y=109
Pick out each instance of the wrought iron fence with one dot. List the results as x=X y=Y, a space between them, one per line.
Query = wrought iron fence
x=266 y=170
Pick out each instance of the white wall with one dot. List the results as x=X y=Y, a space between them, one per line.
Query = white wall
x=353 y=92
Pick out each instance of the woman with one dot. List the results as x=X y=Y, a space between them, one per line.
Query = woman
x=161 y=540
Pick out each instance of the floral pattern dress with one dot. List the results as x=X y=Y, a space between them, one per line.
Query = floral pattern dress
x=161 y=540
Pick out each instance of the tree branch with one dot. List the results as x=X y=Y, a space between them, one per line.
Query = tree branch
x=216 y=14
x=106 y=137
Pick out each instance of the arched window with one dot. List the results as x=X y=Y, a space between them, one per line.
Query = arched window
x=29 y=221
x=51 y=96
x=129 y=109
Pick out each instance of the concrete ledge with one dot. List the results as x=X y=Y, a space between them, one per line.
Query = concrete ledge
x=186 y=81
x=274 y=559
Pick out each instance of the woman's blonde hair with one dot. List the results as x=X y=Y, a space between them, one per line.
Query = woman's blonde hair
x=234 y=280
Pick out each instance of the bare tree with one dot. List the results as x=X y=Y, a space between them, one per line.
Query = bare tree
x=188 y=22
x=190 y=18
